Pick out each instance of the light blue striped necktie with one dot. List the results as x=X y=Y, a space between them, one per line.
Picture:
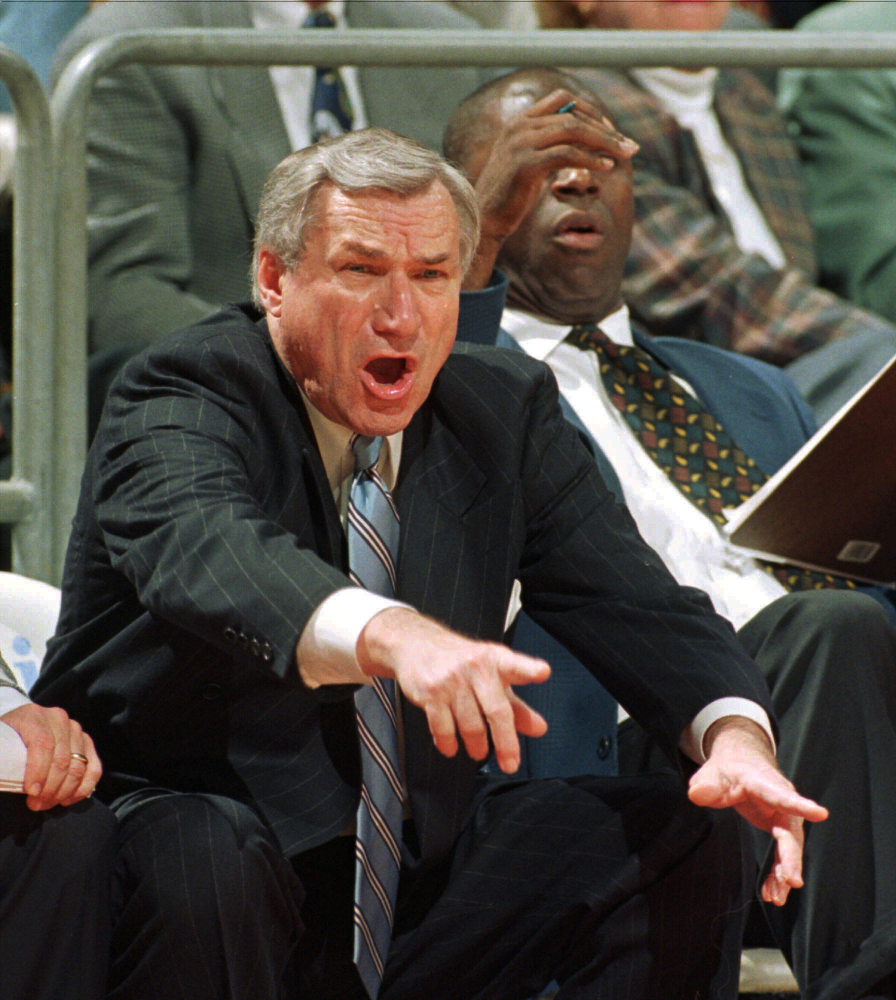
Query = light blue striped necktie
x=372 y=529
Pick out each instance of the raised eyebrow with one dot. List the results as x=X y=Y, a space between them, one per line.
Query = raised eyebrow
x=437 y=259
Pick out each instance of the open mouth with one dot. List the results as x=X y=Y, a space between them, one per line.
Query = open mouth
x=578 y=231
x=386 y=371
x=389 y=378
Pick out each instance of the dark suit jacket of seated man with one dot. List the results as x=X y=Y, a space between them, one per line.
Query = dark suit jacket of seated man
x=212 y=641
x=819 y=649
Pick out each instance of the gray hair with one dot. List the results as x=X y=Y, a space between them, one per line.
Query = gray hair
x=372 y=158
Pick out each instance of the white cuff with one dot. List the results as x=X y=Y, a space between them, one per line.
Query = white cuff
x=327 y=649
x=691 y=742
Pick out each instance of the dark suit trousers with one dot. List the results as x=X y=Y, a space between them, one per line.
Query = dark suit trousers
x=55 y=870
x=830 y=661
x=613 y=887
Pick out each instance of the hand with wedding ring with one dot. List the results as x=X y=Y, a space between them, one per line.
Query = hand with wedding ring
x=62 y=766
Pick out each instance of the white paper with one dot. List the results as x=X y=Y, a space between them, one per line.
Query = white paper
x=13 y=756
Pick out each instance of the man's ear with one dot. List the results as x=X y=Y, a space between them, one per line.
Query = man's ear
x=269 y=280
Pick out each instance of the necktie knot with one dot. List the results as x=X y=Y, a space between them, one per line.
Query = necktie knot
x=590 y=337
x=320 y=17
x=366 y=451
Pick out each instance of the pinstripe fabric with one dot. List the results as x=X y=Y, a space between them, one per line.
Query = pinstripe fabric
x=372 y=528
x=685 y=275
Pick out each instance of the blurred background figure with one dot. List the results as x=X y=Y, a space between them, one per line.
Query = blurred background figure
x=781 y=13
x=845 y=128
x=723 y=248
x=508 y=15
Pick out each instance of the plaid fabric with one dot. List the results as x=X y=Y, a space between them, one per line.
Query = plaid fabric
x=685 y=274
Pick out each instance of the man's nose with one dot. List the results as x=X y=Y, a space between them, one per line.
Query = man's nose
x=396 y=313
x=571 y=182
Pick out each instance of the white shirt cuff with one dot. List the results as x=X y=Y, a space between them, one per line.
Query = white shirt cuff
x=11 y=698
x=327 y=649
x=691 y=742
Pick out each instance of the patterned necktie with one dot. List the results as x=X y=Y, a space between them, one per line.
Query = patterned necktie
x=331 y=110
x=685 y=440
x=372 y=529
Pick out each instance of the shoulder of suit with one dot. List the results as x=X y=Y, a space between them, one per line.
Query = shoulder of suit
x=231 y=336
x=478 y=370
x=113 y=16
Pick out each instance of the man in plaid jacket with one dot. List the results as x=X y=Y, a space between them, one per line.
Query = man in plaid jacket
x=687 y=274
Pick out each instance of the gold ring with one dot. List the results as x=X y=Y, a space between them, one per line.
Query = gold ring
x=81 y=757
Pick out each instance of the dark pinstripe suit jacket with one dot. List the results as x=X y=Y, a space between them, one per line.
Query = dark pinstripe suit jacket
x=206 y=535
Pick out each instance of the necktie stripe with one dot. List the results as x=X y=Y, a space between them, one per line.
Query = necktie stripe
x=379 y=755
x=385 y=700
x=381 y=486
x=362 y=925
x=373 y=879
x=374 y=542
x=379 y=821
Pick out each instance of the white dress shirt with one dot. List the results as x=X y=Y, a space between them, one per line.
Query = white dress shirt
x=294 y=85
x=693 y=549
x=688 y=97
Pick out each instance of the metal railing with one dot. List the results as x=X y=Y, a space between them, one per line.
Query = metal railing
x=27 y=500
x=249 y=47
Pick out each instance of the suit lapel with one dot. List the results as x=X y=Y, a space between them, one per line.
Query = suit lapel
x=755 y=132
x=244 y=95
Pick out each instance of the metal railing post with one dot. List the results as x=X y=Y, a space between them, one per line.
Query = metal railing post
x=27 y=499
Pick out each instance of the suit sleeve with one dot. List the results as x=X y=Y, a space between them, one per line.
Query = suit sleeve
x=183 y=500
x=590 y=580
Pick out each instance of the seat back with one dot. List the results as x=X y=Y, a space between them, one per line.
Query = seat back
x=28 y=613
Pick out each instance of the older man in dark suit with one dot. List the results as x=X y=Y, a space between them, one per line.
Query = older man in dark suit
x=290 y=754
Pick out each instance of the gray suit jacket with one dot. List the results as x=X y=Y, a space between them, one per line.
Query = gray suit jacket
x=177 y=157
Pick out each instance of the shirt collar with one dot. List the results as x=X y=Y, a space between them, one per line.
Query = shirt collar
x=675 y=86
x=334 y=444
x=290 y=13
x=538 y=337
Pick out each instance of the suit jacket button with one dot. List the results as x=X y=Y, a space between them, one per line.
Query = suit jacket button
x=267 y=654
x=255 y=647
x=603 y=748
x=229 y=634
x=212 y=691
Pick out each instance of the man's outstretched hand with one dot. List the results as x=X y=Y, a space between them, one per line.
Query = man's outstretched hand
x=463 y=685
x=741 y=772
